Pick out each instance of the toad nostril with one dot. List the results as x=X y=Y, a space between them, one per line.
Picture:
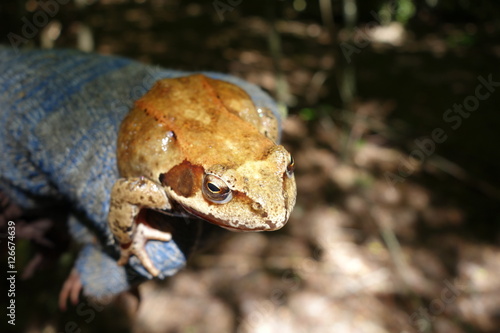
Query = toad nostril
x=256 y=206
x=258 y=209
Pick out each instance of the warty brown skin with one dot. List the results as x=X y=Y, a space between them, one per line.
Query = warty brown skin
x=200 y=144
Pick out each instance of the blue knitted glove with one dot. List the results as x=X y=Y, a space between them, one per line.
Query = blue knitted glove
x=61 y=111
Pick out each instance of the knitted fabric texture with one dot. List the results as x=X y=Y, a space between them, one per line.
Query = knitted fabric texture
x=61 y=111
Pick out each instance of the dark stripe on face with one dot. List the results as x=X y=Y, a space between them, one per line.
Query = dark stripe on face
x=184 y=179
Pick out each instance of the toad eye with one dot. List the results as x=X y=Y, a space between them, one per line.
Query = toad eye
x=290 y=167
x=216 y=190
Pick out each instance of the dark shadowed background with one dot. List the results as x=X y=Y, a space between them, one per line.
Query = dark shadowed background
x=393 y=122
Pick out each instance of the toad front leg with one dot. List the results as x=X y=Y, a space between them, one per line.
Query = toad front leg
x=128 y=196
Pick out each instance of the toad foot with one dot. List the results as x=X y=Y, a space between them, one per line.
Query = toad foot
x=142 y=234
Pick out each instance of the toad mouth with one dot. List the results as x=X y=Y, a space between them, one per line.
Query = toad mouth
x=210 y=218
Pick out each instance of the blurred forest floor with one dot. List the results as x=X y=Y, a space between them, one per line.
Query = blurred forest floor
x=396 y=227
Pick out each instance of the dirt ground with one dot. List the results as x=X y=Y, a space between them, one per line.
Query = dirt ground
x=396 y=227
